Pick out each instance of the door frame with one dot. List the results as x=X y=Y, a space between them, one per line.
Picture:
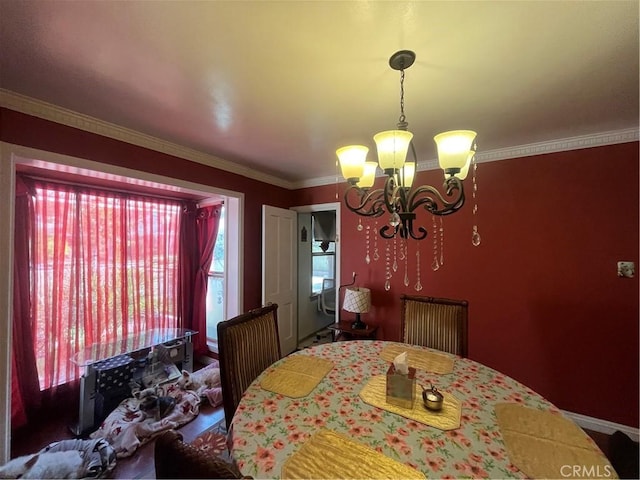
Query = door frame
x=323 y=207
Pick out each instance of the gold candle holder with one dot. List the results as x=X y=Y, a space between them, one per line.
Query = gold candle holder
x=432 y=398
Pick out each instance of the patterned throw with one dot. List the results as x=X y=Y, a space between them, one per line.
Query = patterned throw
x=374 y=393
x=127 y=427
x=420 y=359
x=297 y=375
x=328 y=454
x=543 y=444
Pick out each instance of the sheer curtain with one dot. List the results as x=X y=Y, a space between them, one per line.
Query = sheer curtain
x=106 y=266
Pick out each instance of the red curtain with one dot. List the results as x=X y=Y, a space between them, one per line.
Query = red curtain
x=18 y=411
x=106 y=266
x=188 y=265
x=25 y=389
x=207 y=224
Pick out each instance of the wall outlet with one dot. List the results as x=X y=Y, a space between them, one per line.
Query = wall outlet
x=626 y=269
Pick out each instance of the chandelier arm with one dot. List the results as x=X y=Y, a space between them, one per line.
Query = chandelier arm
x=423 y=233
x=389 y=236
x=408 y=228
x=405 y=228
x=413 y=152
x=370 y=203
x=434 y=202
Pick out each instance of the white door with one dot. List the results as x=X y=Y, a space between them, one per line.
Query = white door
x=279 y=268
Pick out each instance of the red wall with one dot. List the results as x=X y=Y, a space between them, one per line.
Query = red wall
x=33 y=132
x=545 y=304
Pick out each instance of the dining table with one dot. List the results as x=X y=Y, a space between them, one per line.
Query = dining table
x=329 y=404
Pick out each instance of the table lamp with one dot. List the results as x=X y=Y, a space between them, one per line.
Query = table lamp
x=357 y=300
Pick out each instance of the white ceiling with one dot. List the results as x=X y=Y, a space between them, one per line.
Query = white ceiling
x=278 y=86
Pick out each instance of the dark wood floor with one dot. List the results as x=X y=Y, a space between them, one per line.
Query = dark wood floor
x=141 y=464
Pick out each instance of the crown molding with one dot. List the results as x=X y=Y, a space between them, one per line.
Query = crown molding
x=54 y=113
x=319 y=182
x=57 y=114
x=561 y=145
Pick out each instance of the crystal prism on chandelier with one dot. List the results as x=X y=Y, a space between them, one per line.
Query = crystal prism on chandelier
x=398 y=198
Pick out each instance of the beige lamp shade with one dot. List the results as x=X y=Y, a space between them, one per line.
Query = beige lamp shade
x=454 y=148
x=369 y=176
x=409 y=171
x=392 y=148
x=357 y=300
x=352 y=159
x=464 y=171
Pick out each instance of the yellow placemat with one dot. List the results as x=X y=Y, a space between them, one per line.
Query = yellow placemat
x=328 y=454
x=297 y=375
x=375 y=393
x=547 y=445
x=420 y=359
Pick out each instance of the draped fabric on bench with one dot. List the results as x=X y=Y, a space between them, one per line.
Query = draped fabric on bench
x=247 y=345
x=439 y=323
x=127 y=427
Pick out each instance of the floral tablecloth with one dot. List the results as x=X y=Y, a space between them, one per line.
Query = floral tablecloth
x=267 y=427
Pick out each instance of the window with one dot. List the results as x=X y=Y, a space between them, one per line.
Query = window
x=216 y=304
x=224 y=292
x=50 y=165
x=105 y=267
x=323 y=249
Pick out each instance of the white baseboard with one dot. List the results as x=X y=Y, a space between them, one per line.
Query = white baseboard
x=602 y=426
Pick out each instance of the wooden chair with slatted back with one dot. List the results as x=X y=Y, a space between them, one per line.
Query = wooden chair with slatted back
x=247 y=345
x=439 y=323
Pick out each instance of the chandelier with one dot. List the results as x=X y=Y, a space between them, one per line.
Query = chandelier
x=398 y=197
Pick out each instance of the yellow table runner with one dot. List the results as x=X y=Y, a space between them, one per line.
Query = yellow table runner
x=375 y=393
x=543 y=444
x=297 y=375
x=420 y=359
x=329 y=455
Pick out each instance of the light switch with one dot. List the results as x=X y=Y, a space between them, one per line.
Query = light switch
x=626 y=269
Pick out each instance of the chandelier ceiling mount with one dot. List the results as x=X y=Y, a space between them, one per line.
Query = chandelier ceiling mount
x=402 y=59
